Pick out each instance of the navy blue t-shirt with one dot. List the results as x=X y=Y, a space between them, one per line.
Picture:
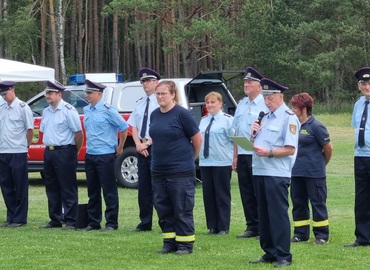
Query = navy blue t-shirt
x=171 y=132
x=310 y=160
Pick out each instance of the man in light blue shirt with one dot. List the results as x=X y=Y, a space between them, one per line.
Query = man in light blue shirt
x=102 y=123
x=16 y=131
x=275 y=150
x=246 y=113
x=63 y=138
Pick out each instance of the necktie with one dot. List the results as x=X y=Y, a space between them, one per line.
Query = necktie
x=145 y=119
x=206 y=139
x=361 y=134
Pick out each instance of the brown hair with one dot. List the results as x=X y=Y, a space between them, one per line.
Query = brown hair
x=172 y=88
x=303 y=100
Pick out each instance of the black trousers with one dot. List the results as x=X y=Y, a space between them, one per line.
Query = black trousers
x=274 y=219
x=145 y=192
x=362 y=199
x=100 y=176
x=217 y=196
x=14 y=186
x=61 y=184
x=248 y=191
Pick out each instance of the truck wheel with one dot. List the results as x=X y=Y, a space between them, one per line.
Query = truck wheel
x=126 y=168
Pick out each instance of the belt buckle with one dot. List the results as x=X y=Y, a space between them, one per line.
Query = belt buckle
x=51 y=148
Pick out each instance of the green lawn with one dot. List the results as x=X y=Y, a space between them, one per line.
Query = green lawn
x=33 y=248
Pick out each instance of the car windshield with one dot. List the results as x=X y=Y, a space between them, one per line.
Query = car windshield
x=75 y=97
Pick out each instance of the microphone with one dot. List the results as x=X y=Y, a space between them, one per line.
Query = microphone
x=260 y=116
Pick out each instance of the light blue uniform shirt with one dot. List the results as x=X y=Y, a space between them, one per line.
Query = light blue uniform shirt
x=220 y=146
x=60 y=125
x=102 y=122
x=278 y=129
x=356 y=120
x=245 y=115
x=15 y=120
x=137 y=116
x=2 y=101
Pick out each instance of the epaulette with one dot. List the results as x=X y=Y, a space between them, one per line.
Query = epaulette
x=357 y=99
x=22 y=104
x=107 y=105
x=227 y=115
x=289 y=111
x=69 y=106
x=139 y=99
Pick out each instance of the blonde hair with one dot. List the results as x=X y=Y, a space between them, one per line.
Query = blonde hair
x=172 y=88
x=217 y=95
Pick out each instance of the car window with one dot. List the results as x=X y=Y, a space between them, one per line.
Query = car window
x=77 y=99
x=38 y=105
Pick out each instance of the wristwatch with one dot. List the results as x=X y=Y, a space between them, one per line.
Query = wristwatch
x=270 y=155
x=147 y=143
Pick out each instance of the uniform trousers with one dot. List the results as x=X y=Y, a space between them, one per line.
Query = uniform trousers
x=14 y=186
x=100 y=176
x=248 y=192
x=304 y=189
x=61 y=184
x=274 y=219
x=145 y=192
x=362 y=199
x=174 y=201
x=217 y=196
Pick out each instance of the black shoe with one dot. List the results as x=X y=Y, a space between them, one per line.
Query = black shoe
x=15 y=225
x=49 y=226
x=183 y=251
x=223 y=232
x=247 y=234
x=89 y=228
x=356 y=244
x=137 y=229
x=166 y=251
x=282 y=263
x=260 y=260
x=107 y=229
x=69 y=228
x=212 y=231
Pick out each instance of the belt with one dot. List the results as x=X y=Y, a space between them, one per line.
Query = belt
x=59 y=147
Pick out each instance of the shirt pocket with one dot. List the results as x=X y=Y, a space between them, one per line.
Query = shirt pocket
x=273 y=135
x=16 y=123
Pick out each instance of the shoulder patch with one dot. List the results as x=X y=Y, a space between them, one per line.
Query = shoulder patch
x=69 y=106
x=227 y=115
x=22 y=104
x=107 y=105
x=289 y=111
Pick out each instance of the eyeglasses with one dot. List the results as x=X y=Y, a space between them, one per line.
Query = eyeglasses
x=158 y=94
x=146 y=81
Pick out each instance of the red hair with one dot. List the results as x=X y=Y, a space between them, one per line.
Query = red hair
x=302 y=100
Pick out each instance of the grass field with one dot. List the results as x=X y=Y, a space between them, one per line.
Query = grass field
x=32 y=248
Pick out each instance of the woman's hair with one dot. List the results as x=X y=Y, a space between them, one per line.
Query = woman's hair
x=172 y=88
x=302 y=100
x=213 y=94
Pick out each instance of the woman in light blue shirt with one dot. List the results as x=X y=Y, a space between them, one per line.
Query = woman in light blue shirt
x=215 y=161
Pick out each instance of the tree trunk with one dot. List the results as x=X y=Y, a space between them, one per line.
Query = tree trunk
x=95 y=33
x=115 y=48
x=60 y=31
x=80 y=37
x=54 y=40
x=74 y=33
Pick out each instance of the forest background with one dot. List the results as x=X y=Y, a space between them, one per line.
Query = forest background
x=313 y=45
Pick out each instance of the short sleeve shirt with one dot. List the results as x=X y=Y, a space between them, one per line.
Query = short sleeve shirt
x=245 y=115
x=310 y=161
x=278 y=129
x=102 y=124
x=60 y=125
x=171 y=132
x=220 y=146
x=137 y=116
x=15 y=120
x=356 y=121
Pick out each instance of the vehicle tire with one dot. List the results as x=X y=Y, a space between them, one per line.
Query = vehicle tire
x=125 y=168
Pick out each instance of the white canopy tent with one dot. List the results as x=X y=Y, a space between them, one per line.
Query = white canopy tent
x=23 y=72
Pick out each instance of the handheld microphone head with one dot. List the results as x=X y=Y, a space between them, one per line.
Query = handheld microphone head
x=259 y=119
